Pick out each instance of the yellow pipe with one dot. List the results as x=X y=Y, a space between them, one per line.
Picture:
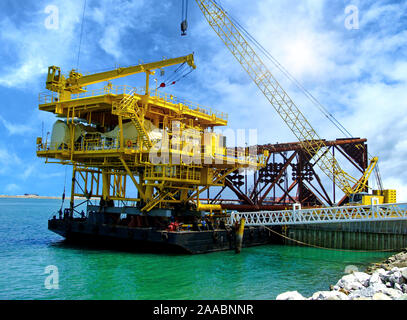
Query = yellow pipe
x=209 y=207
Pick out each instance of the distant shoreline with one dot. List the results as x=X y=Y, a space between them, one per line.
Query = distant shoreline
x=30 y=196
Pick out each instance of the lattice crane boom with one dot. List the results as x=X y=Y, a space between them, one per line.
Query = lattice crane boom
x=221 y=23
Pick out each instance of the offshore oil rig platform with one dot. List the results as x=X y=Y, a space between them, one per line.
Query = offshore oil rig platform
x=119 y=137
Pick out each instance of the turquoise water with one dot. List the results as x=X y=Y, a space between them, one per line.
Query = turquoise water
x=27 y=248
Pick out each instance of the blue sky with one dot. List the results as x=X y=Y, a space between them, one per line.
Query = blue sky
x=359 y=75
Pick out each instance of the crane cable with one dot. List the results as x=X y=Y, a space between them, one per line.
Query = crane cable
x=290 y=77
x=174 y=74
x=174 y=78
x=80 y=38
x=184 y=18
x=286 y=73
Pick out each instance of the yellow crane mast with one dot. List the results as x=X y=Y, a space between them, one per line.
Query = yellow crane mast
x=224 y=27
x=166 y=146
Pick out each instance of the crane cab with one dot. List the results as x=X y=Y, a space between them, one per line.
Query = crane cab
x=54 y=79
x=365 y=199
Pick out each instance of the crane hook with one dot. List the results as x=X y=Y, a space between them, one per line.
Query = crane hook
x=184 y=27
x=184 y=18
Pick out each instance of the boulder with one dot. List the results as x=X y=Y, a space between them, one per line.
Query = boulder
x=402 y=297
x=375 y=279
x=349 y=283
x=380 y=296
x=362 y=277
x=291 y=295
x=378 y=287
x=396 y=277
x=384 y=275
x=329 y=295
x=393 y=293
x=362 y=293
x=381 y=271
x=404 y=273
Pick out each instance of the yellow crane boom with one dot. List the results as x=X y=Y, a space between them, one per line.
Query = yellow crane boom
x=76 y=81
x=221 y=23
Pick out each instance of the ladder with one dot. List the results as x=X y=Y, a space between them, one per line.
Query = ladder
x=157 y=199
x=126 y=108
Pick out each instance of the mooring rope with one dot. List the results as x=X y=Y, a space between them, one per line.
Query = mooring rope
x=332 y=249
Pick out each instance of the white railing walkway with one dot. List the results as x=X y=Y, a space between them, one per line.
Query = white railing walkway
x=296 y=216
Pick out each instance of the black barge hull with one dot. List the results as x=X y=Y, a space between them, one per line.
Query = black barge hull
x=153 y=240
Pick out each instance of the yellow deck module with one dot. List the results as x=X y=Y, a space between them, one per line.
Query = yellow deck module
x=390 y=196
x=165 y=145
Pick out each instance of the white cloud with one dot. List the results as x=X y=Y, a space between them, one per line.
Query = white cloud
x=28 y=171
x=12 y=188
x=15 y=129
x=349 y=72
x=117 y=19
x=359 y=75
x=36 y=46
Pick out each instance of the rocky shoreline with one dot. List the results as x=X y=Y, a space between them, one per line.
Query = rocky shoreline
x=386 y=280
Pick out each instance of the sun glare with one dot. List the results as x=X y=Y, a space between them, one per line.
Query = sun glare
x=300 y=57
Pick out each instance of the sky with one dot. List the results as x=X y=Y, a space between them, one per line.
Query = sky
x=353 y=61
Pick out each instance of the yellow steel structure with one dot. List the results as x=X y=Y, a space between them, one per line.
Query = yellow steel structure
x=221 y=23
x=168 y=170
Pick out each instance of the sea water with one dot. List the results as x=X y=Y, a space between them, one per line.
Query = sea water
x=28 y=251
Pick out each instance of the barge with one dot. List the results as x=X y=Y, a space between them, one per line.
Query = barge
x=103 y=228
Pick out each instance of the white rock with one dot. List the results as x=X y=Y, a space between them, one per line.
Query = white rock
x=375 y=278
x=398 y=287
x=385 y=276
x=362 y=277
x=362 y=293
x=329 y=295
x=381 y=271
x=291 y=295
x=393 y=293
x=402 y=297
x=381 y=296
x=349 y=283
x=396 y=277
x=404 y=273
x=378 y=287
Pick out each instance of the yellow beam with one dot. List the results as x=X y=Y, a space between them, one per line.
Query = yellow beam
x=138 y=186
x=76 y=81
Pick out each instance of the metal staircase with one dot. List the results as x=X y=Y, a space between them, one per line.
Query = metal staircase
x=127 y=109
x=160 y=196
